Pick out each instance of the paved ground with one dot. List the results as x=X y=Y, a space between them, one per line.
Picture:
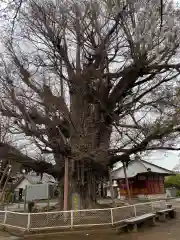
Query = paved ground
x=20 y=206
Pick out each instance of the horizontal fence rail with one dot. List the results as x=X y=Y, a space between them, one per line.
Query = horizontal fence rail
x=77 y=218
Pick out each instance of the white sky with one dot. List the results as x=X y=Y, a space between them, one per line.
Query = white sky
x=168 y=159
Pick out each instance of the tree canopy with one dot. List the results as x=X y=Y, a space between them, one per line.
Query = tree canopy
x=94 y=82
x=173 y=181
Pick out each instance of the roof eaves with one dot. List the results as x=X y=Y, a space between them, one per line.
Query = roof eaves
x=18 y=182
x=164 y=169
x=121 y=167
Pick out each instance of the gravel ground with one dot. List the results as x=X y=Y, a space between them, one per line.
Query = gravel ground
x=7 y=236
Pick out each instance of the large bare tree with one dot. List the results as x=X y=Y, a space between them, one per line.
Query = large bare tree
x=91 y=83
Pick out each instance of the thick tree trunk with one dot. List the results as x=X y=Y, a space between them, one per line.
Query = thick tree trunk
x=86 y=192
x=90 y=140
x=85 y=182
x=61 y=194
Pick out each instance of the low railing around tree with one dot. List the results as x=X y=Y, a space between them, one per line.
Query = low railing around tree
x=76 y=218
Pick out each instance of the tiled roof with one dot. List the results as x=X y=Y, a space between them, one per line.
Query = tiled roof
x=139 y=166
x=34 y=179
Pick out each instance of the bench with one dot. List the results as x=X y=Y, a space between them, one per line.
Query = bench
x=166 y=213
x=164 y=210
x=132 y=223
x=169 y=205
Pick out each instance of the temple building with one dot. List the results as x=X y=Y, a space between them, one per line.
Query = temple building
x=146 y=180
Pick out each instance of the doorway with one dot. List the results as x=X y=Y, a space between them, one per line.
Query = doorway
x=20 y=194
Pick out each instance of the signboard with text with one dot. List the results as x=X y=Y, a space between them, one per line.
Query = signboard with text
x=75 y=201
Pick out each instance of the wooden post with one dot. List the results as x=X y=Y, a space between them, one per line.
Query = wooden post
x=111 y=186
x=66 y=184
x=127 y=183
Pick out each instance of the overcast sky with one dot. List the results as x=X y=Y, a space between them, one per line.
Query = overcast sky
x=167 y=159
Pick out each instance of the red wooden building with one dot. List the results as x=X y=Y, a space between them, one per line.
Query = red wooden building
x=146 y=180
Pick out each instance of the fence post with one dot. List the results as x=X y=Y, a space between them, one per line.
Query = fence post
x=29 y=221
x=5 y=217
x=112 y=219
x=72 y=215
x=135 y=214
